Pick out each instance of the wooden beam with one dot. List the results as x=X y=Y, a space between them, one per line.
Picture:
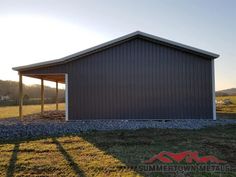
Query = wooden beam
x=57 y=95
x=42 y=97
x=20 y=96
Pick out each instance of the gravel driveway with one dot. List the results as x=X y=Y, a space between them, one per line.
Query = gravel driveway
x=53 y=124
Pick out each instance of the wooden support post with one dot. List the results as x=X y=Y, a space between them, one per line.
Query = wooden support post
x=42 y=97
x=57 y=95
x=20 y=96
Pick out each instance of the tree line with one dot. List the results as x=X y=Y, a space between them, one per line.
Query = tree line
x=11 y=89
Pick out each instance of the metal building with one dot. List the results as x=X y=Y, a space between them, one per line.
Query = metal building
x=137 y=76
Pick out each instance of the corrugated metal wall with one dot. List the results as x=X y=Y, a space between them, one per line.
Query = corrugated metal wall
x=139 y=80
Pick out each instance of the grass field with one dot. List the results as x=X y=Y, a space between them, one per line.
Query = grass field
x=103 y=153
x=232 y=98
x=227 y=108
x=13 y=111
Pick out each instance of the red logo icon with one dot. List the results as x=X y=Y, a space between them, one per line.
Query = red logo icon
x=187 y=156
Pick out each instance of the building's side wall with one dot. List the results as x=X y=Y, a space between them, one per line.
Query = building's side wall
x=140 y=80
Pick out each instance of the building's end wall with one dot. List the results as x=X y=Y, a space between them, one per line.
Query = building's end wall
x=140 y=80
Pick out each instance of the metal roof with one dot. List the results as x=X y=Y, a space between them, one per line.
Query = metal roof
x=114 y=42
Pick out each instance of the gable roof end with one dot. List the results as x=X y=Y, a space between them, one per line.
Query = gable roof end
x=113 y=42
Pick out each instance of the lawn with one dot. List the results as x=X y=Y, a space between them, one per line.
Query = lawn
x=13 y=111
x=103 y=153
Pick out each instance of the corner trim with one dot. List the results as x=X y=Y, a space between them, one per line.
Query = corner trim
x=213 y=89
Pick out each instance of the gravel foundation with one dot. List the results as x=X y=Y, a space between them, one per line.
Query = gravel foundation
x=34 y=126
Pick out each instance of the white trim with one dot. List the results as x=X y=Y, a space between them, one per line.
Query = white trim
x=106 y=44
x=213 y=89
x=66 y=98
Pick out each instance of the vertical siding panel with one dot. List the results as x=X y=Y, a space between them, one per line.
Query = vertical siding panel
x=126 y=56
x=161 y=101
x=136 y=88
x=193 y=82
x=196 y=87
x=132 y=72
x=193 y=94
x=168 y=88
x=156 y=80
x=174 y=68
x=173 y=84
x=152 y=104
x=169 y=80
x=160 y=92
x=182 y=82
x=144 y=60
x=187 y=88
x=205 y=88
x=123 y=83
x=199 y=89
x=113 y=93
x=129 y=98
x=201 y=111
x=209 y=90
x=142 y=81
x=178 y=85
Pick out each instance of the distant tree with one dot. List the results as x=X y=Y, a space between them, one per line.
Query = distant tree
x=11 y=88
x=220 y=93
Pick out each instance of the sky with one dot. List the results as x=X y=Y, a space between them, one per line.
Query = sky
x=39 y=30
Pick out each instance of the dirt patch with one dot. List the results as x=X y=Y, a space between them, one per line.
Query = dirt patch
x=58 y=116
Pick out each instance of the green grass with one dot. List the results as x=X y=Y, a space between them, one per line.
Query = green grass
x=13 y=111
x=227 y=109
x=101 y=153
x=232 y=98
x=230 y=109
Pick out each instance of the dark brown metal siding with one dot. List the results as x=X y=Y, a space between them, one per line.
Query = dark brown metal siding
x=140 y=80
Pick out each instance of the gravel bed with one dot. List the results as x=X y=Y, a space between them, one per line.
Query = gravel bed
x=13 y=128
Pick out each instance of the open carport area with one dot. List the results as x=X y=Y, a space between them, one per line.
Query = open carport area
x=57 y=78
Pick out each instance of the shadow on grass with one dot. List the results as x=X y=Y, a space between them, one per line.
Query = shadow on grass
x=68 y=158
x=131 y=147
x=12 y=162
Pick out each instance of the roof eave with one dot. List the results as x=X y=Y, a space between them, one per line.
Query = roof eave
x=39 y=65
